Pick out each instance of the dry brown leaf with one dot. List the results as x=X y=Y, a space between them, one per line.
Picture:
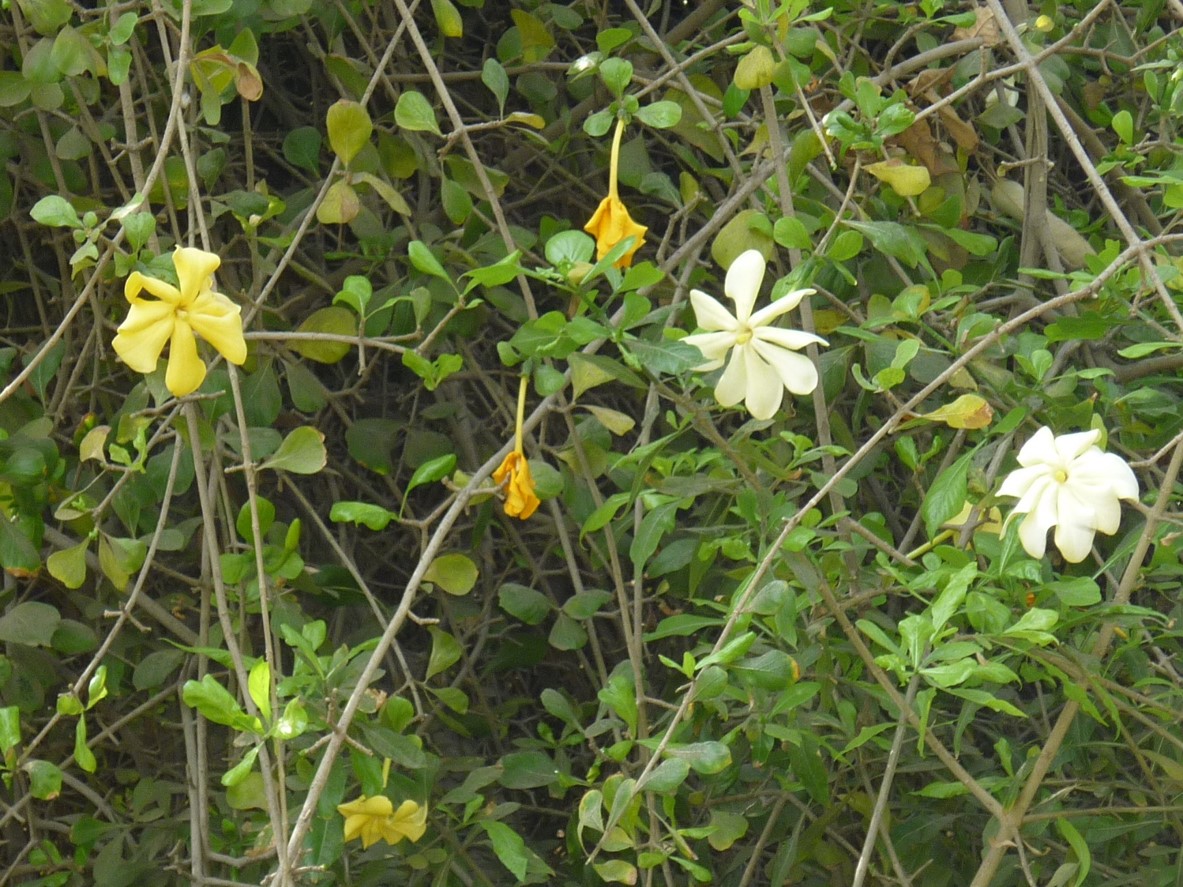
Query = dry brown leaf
x=984 y=27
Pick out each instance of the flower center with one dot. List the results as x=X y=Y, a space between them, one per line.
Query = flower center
x=1061 y=476
x=743 y=335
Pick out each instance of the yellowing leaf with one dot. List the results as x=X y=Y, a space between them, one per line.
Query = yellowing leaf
x=755 y=69
x=447 y=16
x=336 y=320
x=454 y=573
x=905 y=180
x=349 y=127
x=616 y=422
x=968 y=411
x=537 y=41
x=340 y=205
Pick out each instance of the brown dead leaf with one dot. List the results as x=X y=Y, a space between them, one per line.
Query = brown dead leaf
x=963 y=133
x=983 y=27
x=920 y=143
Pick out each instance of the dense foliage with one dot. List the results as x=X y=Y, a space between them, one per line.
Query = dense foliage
x=744 y=609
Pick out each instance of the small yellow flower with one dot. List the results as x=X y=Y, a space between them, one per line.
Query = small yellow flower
x=520 y=498
x=611 y=223
x=174 y=315
x=374 y=819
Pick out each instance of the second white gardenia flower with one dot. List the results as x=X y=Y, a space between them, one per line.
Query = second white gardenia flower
x=764 y=359
x=1067 y=482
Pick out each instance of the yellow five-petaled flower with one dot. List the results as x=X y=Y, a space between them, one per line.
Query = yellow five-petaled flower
x=175 y=315
x=375 y=819
x=611 y=222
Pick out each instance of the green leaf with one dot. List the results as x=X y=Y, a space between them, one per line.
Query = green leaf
x=528 y=769
x=1079 y=591
x=660 y=115
x=616 y=871
x=242 y=769
x=259 y=687
x=708 y=758
x=10 y=728
x=349 y=128
x=68 y=566
x=29 y=622
x=302 y=452
x=215 y=704
x=949 y=601
x=528 y=605
x=617 y=74
x=455 y=573
x=389 y=194
x=946 y=496
x=155 y=668
x=414 y=112
x=245 y=792
x=445 y=651
x=425 y=261
x=509 y=847
x=666 y=777
x=83 y=756
x=432 y=470
x=893 y=239
x=375 y=517
x=494 y=77
x=333 y=320
x=1080 y=847
x=45 y=779
x=301 y=148
x=56 y=212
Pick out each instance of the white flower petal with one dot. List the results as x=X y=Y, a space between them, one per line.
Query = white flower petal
x=795 y=371
x=765 y=391
x=1073 y=446
x=794 y=340
x=742 y=283
x=733 y=384
x=1040 y=518
x=784 y=304
x=1021 y=481
x=714 y=348
x=1040 y=449
x=1075 y=541
x=710 y=315
x=1107 y=470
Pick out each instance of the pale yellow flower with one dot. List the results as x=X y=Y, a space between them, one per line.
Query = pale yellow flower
x=175 y=315
x=374 y=819
x=611 y=223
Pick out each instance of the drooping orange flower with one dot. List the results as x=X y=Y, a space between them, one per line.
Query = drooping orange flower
x=611 y=223
x=521 y=500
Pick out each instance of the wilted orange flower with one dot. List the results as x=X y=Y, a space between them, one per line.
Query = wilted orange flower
x=520 y=499
x=611 y=223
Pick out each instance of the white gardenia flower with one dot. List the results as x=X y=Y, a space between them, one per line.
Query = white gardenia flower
x=764 y=359
x=1067 y=482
